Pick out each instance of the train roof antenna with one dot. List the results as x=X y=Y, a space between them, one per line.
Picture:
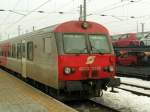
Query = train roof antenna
x=81 y=13
x=84 y=10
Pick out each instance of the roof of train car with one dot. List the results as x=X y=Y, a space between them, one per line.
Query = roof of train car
x=67 y=27
x=76 y=26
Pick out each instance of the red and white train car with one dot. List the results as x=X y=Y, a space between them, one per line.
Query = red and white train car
x=72 y=57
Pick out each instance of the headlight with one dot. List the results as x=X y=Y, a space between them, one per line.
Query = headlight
x=111 y=68
x=67 y=70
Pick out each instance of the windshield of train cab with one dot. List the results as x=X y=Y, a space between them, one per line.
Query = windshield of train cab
x=99 y=44
x=74 y=43
x=80 y=43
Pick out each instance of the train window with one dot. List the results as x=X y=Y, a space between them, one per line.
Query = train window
x=23 y=49
x=99 y=44
x=128 y=36
x=6 y=51
x=3 y=53
x=19 y=50
x=74 y=43
x=14 y=50
x=47 y=45
x=0 y=52
x=9 y=51
x=30 y=50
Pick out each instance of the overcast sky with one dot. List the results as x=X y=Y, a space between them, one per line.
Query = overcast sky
x=122 y=16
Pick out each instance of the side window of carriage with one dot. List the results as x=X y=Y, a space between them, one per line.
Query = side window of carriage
x=9 y=51
x=19 y=50
x=30 y=51
x=14 y=50
x=23 y=53
x=47 y=45
x=0 y=51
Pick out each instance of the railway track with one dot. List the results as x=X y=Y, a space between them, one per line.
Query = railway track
x=143 y=87
x=89 y=106
x=136 y=72
x=135 y=89
x=134 y=75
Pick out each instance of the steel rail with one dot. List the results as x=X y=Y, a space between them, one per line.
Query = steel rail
x=138 y=86
x=134 y=91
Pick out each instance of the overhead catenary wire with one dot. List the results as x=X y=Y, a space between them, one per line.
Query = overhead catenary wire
x=40 y=11
x=34 y=11
x=63 y=6
x=119 y=4
x=120 y=18
x=8 y=15
x=11 y=25
x=128 y=18
x=70 y=12
x=106 y=8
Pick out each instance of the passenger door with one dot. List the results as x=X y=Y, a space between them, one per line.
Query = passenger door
x=23 y=59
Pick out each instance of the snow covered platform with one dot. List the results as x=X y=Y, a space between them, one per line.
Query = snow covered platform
x=17 y=96
x=124 y=101
x=138 y=72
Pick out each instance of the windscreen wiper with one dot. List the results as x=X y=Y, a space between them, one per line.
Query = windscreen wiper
x=96 y=49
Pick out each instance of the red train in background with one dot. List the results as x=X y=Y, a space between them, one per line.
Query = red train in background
x=126 y=40
x=71 y=58
x=133 y=58
x=128 y=57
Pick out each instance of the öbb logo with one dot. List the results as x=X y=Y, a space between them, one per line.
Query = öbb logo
x=90 y=60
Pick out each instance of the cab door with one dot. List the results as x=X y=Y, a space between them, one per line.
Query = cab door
x=23 y=58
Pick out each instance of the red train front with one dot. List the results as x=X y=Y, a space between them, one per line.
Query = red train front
x=86 y=61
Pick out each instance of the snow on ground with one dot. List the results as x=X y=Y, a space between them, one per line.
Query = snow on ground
x=140 y=90
x=125 y=101
x=135 y=81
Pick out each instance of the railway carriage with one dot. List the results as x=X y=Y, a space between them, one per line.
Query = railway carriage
x=72 y=57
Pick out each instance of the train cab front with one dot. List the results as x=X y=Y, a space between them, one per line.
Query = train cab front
x=86 y=63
